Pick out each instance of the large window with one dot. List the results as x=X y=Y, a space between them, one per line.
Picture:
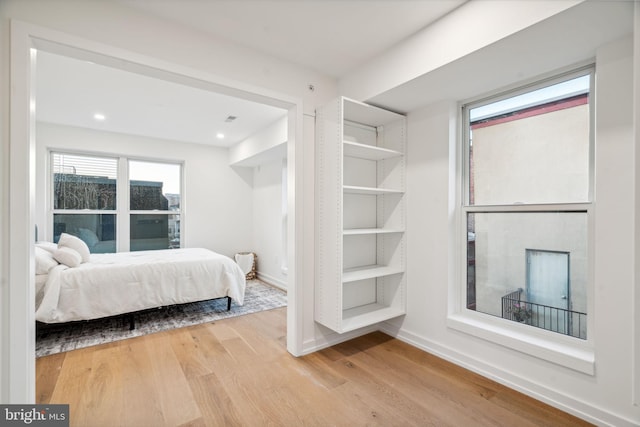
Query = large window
x=89 y=200
x=527 y=203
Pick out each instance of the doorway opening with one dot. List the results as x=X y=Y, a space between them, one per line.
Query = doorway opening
x=25 y=40
x=547 y=285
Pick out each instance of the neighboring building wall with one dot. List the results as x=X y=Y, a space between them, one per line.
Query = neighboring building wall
x=97 y=192
x=501 y=244
x=507 y=166
x=147 y=195
x=504 y=158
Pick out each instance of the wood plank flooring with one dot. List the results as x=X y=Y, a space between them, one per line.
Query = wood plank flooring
x=237 y=372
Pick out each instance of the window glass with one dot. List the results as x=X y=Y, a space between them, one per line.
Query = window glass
x=531 y=148
x=154 y=186
x=529 y=267
x=98 y=231
x=154 y=231
x=84 y=182
x=526 y=215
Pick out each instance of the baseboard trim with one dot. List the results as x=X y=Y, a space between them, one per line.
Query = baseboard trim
x=272 y=281
x=537 y=391
x=334 y=338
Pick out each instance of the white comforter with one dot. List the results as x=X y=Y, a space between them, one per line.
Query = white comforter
x=119 y=283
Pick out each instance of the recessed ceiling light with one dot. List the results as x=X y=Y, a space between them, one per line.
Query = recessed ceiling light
x=99 y=116
x=220 y=135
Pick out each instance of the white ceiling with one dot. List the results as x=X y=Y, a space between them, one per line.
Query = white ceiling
x=330 y=36
x=70 y=91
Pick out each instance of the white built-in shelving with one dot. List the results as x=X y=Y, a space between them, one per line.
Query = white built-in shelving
x=366 y=151
x=354 y=231
x=352 y=189
x=369 y=272
x=361 y=256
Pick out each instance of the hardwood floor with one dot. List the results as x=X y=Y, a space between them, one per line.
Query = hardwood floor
x=238 y=372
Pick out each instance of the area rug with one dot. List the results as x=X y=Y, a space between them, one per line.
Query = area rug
x=52 y=339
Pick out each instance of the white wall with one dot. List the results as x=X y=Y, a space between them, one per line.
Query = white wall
x=265 y=153
x=265 y=146
x=218 y=208
x=604 y=398
x=267 y=222
x=5 y=360
x=636 y=301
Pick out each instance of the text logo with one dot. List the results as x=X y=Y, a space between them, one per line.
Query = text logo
x=34 y=415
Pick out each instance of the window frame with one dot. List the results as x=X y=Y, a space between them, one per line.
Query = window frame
x=123 y=209
x=50 y=196
x=131 y=212
x=574 y=353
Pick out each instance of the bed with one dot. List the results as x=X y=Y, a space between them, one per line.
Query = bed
x=103 y=285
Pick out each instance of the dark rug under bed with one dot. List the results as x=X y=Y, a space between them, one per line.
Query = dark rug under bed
x=52 y=339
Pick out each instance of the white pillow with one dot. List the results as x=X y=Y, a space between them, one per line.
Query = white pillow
x=44 y=261
x=75 y=243
x=67 y=256
x=47 y=246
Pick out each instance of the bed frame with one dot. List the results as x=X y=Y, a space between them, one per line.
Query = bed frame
x=131 y=316
x=127 y=318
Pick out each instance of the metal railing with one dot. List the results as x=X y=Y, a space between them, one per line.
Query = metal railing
x=560 y=320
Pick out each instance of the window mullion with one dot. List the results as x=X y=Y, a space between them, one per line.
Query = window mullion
x=123 y=217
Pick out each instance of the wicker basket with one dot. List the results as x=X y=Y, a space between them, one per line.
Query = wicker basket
x=251 y=274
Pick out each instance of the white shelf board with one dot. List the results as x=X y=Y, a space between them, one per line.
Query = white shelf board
x=368 y=152
x=356 y=111
x=367 y=315
x=357 y=231
x=352 y=189
x=369 y=272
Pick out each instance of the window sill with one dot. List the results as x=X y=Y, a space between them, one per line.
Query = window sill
x=565 y=351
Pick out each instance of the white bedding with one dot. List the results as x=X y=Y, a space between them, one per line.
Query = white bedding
x=119 y=283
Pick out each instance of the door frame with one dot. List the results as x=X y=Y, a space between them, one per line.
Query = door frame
x=528 y=252
x=18 y=344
